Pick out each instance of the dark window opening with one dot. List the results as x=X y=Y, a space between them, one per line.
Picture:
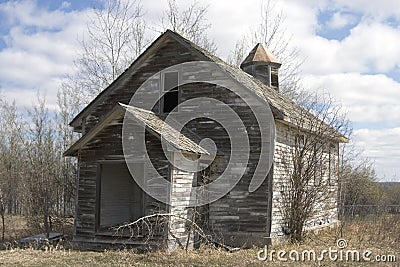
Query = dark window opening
x=171 y=97
x=170 y=101
x=274 y=78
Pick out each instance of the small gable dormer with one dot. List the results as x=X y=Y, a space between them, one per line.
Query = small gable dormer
x=262 y=65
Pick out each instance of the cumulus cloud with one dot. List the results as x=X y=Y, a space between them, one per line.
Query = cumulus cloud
x=29 y=13
x=368 y=98
x=65 y=5
x=383 y=147
x=368 y=48
x=40 y=45
x=27 y=97
x=372 y=45
x=382 y=10
x=340 y=20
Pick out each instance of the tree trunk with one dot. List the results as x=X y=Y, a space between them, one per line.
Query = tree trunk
x=46 y=220
x=3 y=225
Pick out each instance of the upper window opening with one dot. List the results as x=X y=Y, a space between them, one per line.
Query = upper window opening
x=171 y=89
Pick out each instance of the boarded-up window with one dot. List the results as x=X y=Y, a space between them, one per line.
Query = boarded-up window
x=121 y=199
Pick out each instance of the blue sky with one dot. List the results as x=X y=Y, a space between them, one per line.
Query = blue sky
x=350 y=49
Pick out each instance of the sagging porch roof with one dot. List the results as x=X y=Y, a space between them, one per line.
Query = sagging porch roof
x=158 y=127
x=168 y=133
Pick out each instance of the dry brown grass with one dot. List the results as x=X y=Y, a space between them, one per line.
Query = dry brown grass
x=16 y=227
x=381 y=236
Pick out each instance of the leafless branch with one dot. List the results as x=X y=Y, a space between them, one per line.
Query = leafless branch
x=190 y=23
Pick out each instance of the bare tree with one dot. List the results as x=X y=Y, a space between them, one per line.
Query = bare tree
x=11 y=155
x=310 y=163
x=11 y=161
x=242 y=48
x=66 y=166
x=35 y=180
x=190 y=23
x=41 y=180
x=358 y=184
x=2 y=178
x=116 y=35
x=114 y=38
x=2 y=215
x=393 y=195
x=271 y=32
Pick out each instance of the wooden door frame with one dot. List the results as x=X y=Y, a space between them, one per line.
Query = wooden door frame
x=100 y=163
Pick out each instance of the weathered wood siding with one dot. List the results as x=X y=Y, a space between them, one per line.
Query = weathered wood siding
x=325 y=212
x=239 y=218
x=106 y=148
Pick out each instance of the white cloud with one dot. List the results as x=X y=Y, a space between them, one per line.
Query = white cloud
x=39 y=52
x=369 y=47
x=372 y=45
x=368 y=98
x=379 y=10
x=28 y=13
x=340 y=20
x=65 y=5
x=383 y=147
x=27 y=97
x=353 y=71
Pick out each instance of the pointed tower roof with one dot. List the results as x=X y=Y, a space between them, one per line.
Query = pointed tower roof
x=260 y=54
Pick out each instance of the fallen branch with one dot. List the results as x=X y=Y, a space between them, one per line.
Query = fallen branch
x=150 y=226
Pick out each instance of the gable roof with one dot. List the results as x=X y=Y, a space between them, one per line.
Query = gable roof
x=160 y=128
x=115 y=114
x=120 y=80
x=282 y=107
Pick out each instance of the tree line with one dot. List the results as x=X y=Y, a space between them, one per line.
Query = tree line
x=36 y=181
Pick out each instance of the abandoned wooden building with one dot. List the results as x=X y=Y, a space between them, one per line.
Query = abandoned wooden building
x=107 y=196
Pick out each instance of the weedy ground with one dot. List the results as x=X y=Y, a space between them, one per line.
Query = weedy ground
x=380 y=235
